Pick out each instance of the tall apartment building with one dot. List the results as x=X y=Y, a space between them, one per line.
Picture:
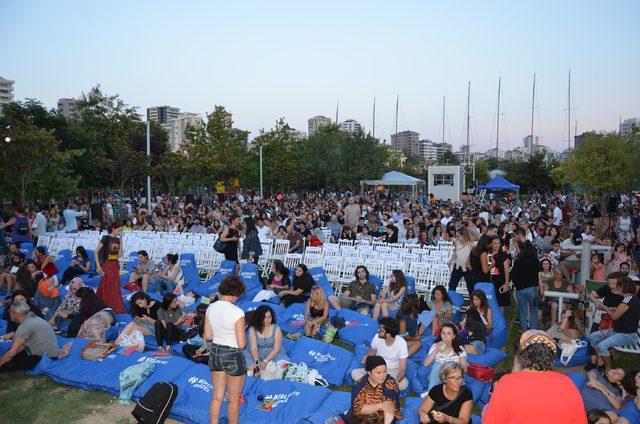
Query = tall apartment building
x=176 y=128
x=316 y=122
x=528 y=146
x=428 y=151
x=351 y=126
x=408 y=142
x=6 y=92
x=626 y=126
x=67 y=107
x=162 y=114
x=441 y=148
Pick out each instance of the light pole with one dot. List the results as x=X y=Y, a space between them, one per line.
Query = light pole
x=149 y=160
x=261 y=196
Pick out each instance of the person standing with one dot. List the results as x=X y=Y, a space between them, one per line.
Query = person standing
x=38 y=224
x=71 y=214
x=352 y=214
x=225 y=329
x=525 y=279
x=20 y=227
x=251 y=247
x=231 y=237
x=496 y=263
x=107 y=253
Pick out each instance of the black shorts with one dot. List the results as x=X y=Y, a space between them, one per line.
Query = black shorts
x=227 y=359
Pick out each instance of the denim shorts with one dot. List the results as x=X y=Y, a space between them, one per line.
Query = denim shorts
x=227 y=359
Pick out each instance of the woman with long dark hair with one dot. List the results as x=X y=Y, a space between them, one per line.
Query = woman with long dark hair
x=265 y=340
x=391 y=296
x=496 y=263
x=478 y=274
x=300 y=287
x=81 y=264
x=107 y=254
x=447 y=348
x=251 y=247
x=168 y=326
x=440 y=304
x=196 y=348
x=410 y=328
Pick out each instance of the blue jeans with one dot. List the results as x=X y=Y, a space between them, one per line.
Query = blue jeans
x=527 y=308
x=434 y=377
x=163 y=286
x=604 y=340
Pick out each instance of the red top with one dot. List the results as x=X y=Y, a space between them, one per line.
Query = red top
x=535 y=397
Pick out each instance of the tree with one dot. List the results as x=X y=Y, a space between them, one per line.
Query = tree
x=482 y=172
x=171 y=170
x=532 y=175
x=31 y=166
x=448 y=158
x=215 y=150
x=603 y=163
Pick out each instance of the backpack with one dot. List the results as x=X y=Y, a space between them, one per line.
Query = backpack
x=155 y=405
x=23 y=227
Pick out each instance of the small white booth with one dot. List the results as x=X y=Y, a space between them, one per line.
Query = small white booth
x=446 y=182
x=395 y=178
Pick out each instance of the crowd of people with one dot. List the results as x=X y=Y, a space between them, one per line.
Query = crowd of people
x=523 y=249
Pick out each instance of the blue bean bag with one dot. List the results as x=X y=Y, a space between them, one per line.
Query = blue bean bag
x=335 y=404
x=194 y=395
x=27 y=249
x=291 y=319
x=320 y=277
x=289 y=401
x=420 y=382
x=328 y=359
x=210 y=287
x=280 y=311
x=359 y=329
x=491 y=357
x=578 y=379
x=377 y=281
x=356 y=362
x=457 y=300
x=190 y=271
x=498 y=335
x=168 y=368
x=410 y=410
x=250 y=276
x=580 y=357
x=62 y=263
x=411 y=284
x=421 y=354
x=100 y=375
x=630 y=412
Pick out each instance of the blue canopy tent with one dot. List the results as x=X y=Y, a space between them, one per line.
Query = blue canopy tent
x=497 y=184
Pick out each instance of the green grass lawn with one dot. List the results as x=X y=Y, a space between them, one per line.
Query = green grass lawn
x=40 y=400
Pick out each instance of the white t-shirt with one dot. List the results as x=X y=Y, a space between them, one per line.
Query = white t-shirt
x=557 y=216
x=263 y=233
x=222 y=316
x=447 y=357
x=445 y=220
x=391 y=354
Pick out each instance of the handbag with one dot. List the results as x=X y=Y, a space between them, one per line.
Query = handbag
x=97 y=350
x=219 y=246
x=481 y=373
x=606 y=322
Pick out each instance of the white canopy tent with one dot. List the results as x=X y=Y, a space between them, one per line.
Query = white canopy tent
x=395 y=178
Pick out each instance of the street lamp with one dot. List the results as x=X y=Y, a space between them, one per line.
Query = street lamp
x=7 y=139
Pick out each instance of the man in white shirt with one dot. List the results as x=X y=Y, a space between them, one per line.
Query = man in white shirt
x=38 y=224
x=263 y=230
x=392 y=348
x=446 y=219
x=557 y=214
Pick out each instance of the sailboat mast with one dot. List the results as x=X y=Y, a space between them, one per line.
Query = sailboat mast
x=533 y=105
x=397 y=100
x=468 y=117
x=337 y=108
x=444 y=98
x=569 y=113
x=374 y=117
x=498 y=118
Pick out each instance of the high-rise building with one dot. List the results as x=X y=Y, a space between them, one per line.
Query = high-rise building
x=316 y=122
x=578 y=139
x=526 y=142
x=162 y=114
x=6 y=91
x=626 y=126
x=428 y=151
x=351 y=126
x=67 y=107
x=408 y=142
x=177 y=127
x=441 y=148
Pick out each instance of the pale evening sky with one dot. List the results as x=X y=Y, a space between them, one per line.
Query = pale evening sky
x=296 y=59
